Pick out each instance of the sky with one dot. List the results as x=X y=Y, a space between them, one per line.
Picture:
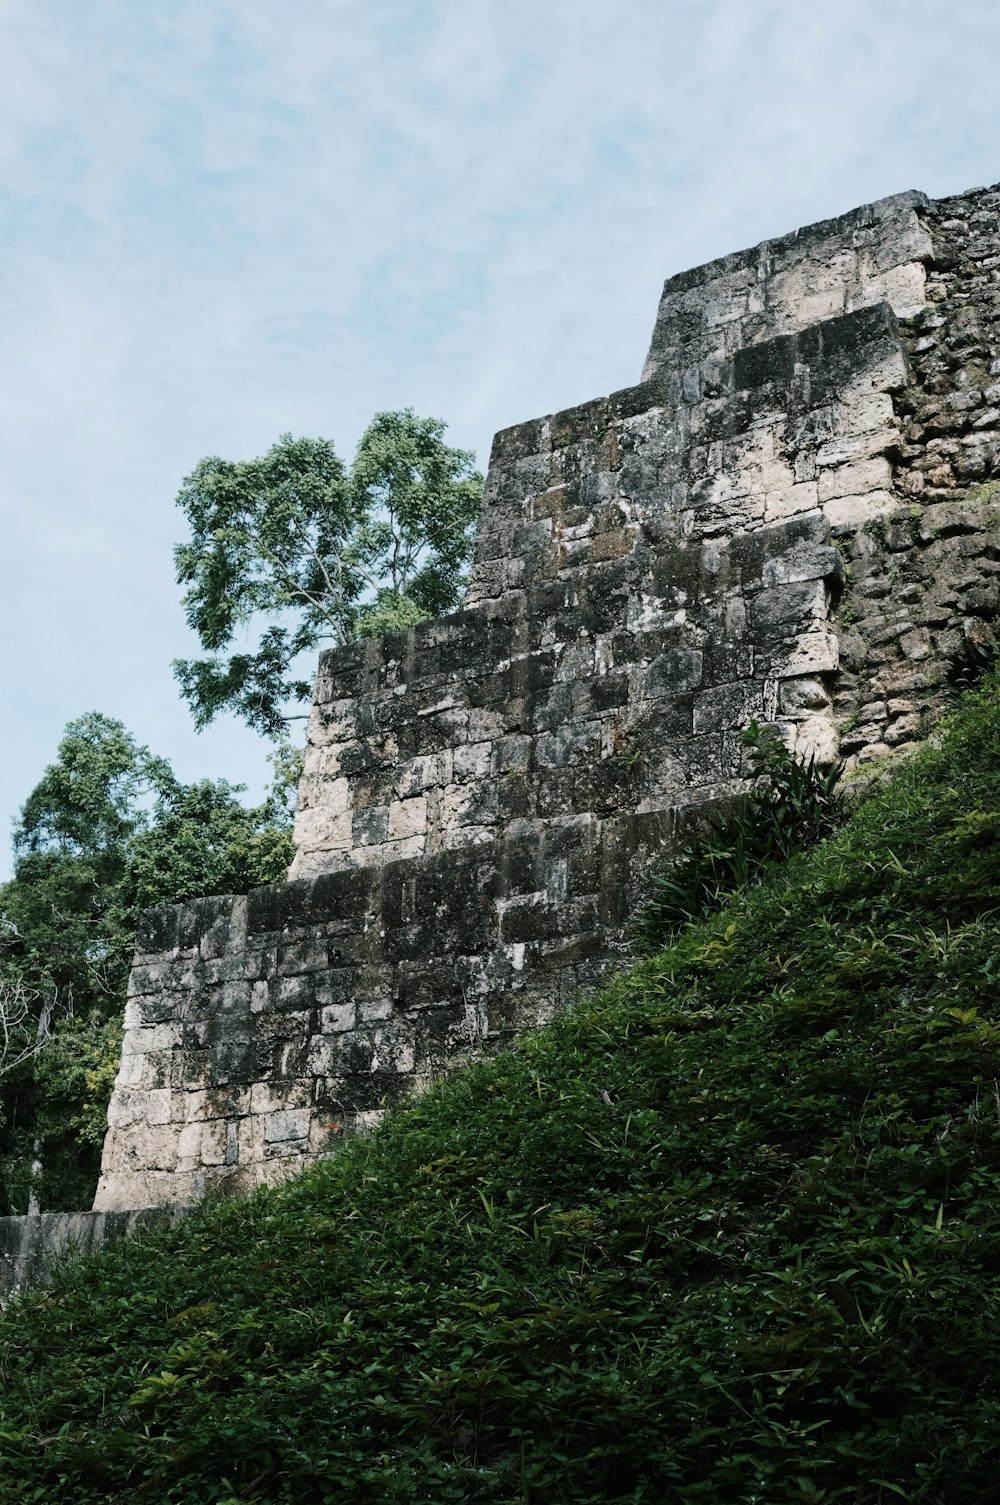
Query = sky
x=225 y=220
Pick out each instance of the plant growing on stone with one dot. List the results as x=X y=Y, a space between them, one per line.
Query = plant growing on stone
x=973 y=658
x=792 y=804
x=294 y=550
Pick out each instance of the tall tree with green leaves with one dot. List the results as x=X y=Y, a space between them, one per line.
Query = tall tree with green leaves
x=107 y=832
x=290 y=550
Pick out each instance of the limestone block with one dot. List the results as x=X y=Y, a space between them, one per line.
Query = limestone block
x=393 y=1052
x=335 y=1018
x=370 y=826
x=790 y=501
x=131 y=1071
x=147 y=1147
x=724 y=309
x=408 y=818
x=222 y=921
x=902 y=287
x=566 y=745
x=219 y=1142
x=863 y=410
x=860 y=478
x=211 y=1102
x=324 y=1056
x=453 y=838
x=874 y=752
x=151 y=977
x=576 y=661
x=806 y=562
x=407 y=846
x=418 y=775
x=817 y=737
x=847 y=513
x=333 y=721
x=775 y=473
x=849 y=449
x=331 y=793
x=810 y=654
x=130 y=1107
x=916 y=644
x=806 y=693
x=286 y=1124
x=250 y=1141
x=127 y=1192
x=372 y=855
x=189 y=1147
x=370 y=1010
x=813 y=307
x=904 y=729
x=277 y=1096
x=727 y=706
x=303 y=954
x=486 y=725
x=472 y=761
x=511 y=753
x=154 y=1037
x=672 y=673
x=468 y=805
x=782 y=608
x=318 y=828
x=888 y=372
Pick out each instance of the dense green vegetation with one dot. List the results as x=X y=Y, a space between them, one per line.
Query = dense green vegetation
x=294 y=550
x=107 y=832
x=727 y=1233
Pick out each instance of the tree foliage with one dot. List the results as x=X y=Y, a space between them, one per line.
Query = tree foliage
x=107 y=832
x=292 y=548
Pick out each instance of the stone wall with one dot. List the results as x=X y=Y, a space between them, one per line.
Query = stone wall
x=775 y=525
x=647 y=579
x=30 y=1247
x=926 y=576
x=874 y=254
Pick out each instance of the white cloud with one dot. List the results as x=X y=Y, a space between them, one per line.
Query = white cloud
x=223 y=219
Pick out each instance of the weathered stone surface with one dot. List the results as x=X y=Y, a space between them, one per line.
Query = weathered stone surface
x=775 y=524
x=31 y=1246
x=873 y=254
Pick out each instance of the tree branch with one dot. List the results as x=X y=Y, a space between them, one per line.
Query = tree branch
x=21 y=1034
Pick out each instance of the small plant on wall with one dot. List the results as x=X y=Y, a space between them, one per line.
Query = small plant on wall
x=793 y=804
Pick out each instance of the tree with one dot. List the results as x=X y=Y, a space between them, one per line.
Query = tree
x=70 y=849
x=107 y=832
x=202 y=841
x=291 y=547
x=25 y=1022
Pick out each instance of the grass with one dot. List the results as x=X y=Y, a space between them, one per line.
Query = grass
x=727 y=1233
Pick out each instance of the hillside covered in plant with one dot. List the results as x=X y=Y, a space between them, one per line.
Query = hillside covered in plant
x=729 y=1232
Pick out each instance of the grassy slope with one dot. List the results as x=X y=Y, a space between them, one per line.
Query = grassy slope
x=727 y=1233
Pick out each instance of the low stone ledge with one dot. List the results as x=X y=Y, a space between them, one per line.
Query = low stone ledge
x=32 y=1245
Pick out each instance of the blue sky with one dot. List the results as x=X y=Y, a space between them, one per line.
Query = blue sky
x=227 y=219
